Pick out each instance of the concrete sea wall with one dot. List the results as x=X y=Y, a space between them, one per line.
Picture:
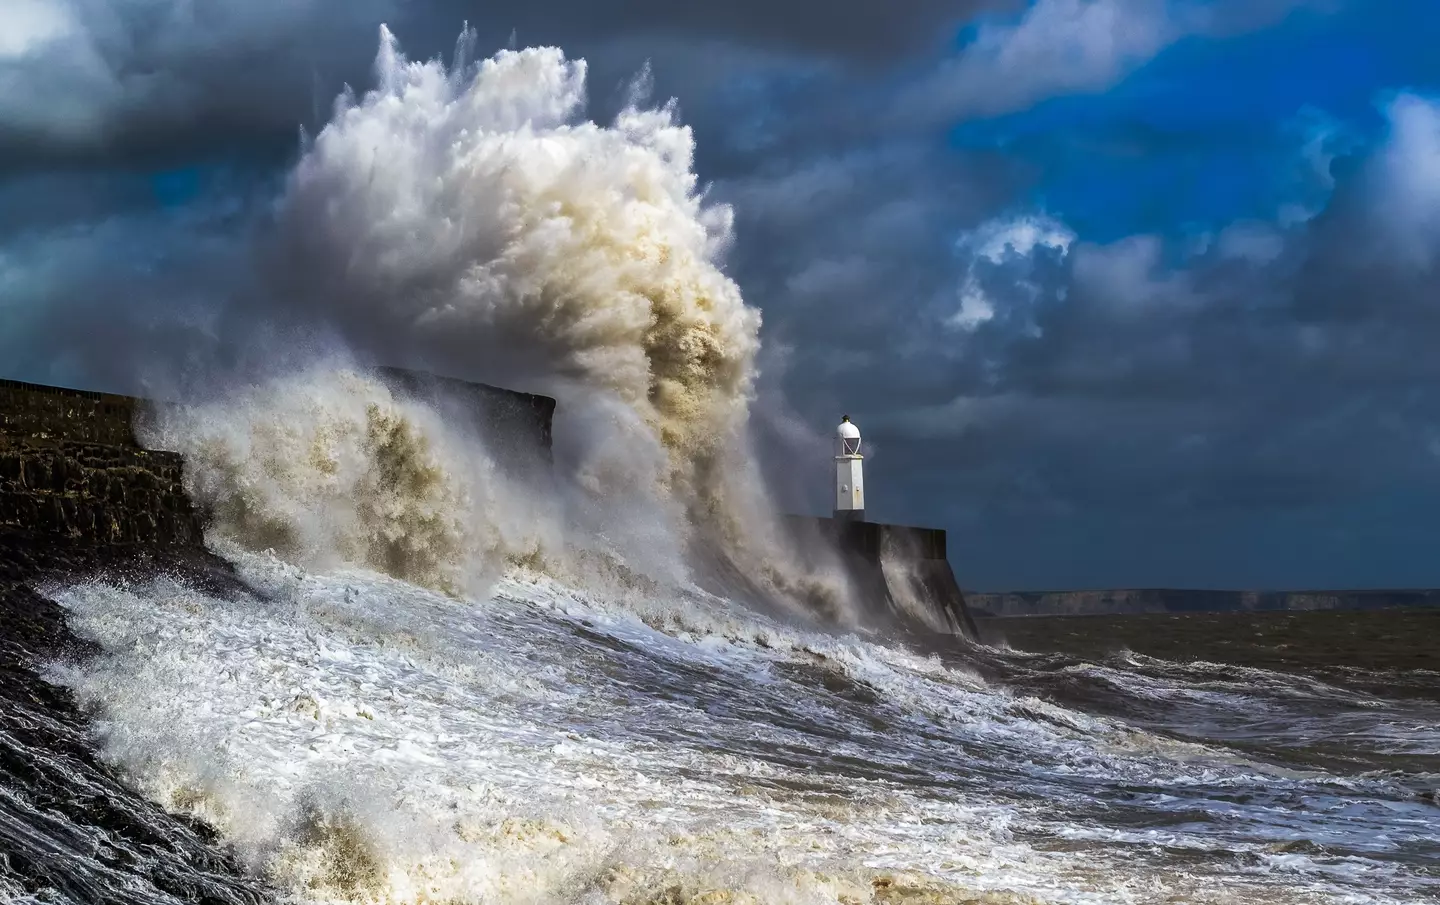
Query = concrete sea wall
x=70 y=470
x=41 y=413
x=74 y=479
x=79 y=498
x=898 y=570
x=517 y=428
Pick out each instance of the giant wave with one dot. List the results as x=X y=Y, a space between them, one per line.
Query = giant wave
x=444 y=683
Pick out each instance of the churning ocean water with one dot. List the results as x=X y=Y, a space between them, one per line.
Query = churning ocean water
x=354 y=738
x=439 y=683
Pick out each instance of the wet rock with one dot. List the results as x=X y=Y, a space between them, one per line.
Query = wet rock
x=78 y=500
x=65 y=490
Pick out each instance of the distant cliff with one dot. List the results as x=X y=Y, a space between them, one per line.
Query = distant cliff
x=1160 y=600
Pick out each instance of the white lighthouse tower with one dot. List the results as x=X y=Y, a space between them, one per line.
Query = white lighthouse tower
x=849 y=478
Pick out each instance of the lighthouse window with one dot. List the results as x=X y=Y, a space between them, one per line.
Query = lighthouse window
x=850 y=446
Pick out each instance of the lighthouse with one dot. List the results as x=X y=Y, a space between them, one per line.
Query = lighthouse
x=849 y=479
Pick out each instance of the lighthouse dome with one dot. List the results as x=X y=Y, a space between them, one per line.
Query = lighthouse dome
x=847 y=430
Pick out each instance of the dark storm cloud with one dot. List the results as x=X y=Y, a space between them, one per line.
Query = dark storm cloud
x=1277 y=374
x=159 y=79
x=1236 y=410
x=108 y=93
x=80 y=79
x=115 y=292
x=850 y=28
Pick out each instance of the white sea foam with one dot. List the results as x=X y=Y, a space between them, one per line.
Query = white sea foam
x=445 y=752
x=329 y=467
x=363 y=739
x=539 y=703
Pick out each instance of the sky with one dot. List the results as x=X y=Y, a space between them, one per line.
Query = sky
x=1123 y=293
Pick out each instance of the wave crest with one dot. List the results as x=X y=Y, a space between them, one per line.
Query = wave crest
x=330 y=467
x=470 y=218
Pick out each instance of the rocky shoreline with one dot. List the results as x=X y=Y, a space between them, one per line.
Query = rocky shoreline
x=80 y=500
x=69 y=824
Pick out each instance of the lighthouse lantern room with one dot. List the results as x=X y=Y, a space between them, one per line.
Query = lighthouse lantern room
x=849 y=479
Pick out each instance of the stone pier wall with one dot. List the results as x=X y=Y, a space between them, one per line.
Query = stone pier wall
x=70 y=470
x=41 y=413
x=898 y=572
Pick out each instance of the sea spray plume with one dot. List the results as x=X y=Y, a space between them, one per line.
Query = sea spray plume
x=328 y=467
x=467 y=220
x=332 y=466
x=472 y=219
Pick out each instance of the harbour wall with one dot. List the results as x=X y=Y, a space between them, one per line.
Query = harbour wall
x=80 y=499
x=73 y=473
x=899 y=573
x=74 y=480
x=518 y=428
x=71 y=470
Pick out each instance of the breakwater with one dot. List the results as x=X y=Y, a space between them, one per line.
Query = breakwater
x=71 y=471
x=900 y=572
x=277 y=713
x=80 y=498
x=518 y=427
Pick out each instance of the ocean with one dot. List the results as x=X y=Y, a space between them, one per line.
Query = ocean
x=608 y=677
x=344 y=736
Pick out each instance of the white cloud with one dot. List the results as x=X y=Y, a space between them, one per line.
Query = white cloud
x=1321 y=140
x=74 y=72
x=53 y=79
x=1004 y=279
x=1058 y=47
x=1063 y=47
x=1249 y=240
x=1407 y=177
x=1001 y=243
x=1021 y=236
x=31 y=25
x=1401 y=199
x=1129 y=276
